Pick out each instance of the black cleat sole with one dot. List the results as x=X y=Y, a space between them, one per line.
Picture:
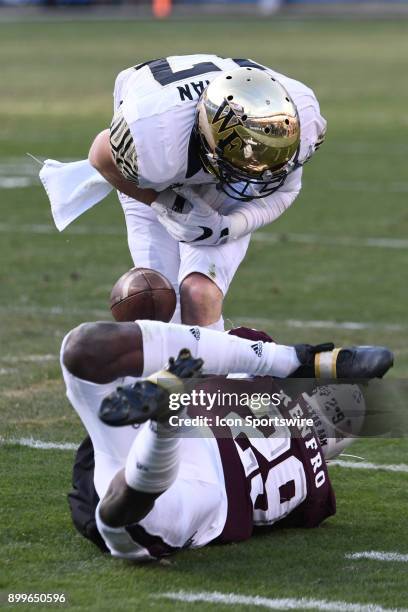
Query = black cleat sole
x=133 y=404
x=148 y=399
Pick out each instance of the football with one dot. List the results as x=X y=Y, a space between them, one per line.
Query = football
x=142 y=293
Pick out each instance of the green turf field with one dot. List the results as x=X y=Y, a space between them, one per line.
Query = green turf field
x=338 y=256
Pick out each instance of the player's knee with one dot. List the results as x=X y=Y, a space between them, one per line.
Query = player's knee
x=103 y=351
x=201 y=300
x=80 y=356
x=199 y=290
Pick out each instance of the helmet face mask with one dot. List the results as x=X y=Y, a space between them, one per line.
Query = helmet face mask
x=241 y=186
x=249 y=133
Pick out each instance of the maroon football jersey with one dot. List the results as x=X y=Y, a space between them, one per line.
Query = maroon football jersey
x=272 y=475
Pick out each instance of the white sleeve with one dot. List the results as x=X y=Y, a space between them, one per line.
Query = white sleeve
x=247 y=217
x=313 y=127
x=120 y=87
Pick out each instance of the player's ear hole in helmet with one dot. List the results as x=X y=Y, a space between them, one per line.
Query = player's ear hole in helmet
x=248 y=132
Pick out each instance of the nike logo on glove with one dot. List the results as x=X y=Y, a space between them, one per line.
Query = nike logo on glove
x=207 y=232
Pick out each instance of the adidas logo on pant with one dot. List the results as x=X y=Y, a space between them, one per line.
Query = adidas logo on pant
x=257 y=348
x=196 y=332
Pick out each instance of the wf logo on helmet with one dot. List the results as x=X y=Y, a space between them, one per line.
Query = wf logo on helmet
x=230 y=120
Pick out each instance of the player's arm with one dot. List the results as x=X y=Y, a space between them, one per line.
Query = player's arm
x=100 y=157
x=247 y=217
x=204 y=226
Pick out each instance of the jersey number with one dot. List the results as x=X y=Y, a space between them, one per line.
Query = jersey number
x=267 y=464
x=164 y=75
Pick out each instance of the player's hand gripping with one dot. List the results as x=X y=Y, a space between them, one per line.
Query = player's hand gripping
x=189 y=218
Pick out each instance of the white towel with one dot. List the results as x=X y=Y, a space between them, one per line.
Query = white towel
x=72 y=189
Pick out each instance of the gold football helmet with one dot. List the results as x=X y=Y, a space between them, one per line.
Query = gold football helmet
x=249 y=132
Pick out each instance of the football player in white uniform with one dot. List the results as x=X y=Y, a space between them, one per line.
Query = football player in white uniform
x=160 y=493
x=215 y=147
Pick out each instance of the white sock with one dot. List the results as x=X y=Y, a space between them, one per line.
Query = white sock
x=153 y=461
x=222 y=353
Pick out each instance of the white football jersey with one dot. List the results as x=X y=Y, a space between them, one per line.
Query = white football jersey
x=158 y=101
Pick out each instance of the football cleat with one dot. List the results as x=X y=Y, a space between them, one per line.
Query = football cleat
x=359 y=362
x=149 y=398
x=185 y=366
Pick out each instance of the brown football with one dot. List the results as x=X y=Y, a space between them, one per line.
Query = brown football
x=141 y=293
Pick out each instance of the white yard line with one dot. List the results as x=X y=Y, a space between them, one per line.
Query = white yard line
x=17 y=182
x=40 y=444
x=347 y=241
x=366 y=465
x=289 y=603
x=7 y=371
x=265 y=237
x=19 y=167
x=322 y=324
x=44 y=228
x=376 y=555
x=354 y=465
x=14 y=170
x=236 y=320
x=86 y=313
x=28 y=358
